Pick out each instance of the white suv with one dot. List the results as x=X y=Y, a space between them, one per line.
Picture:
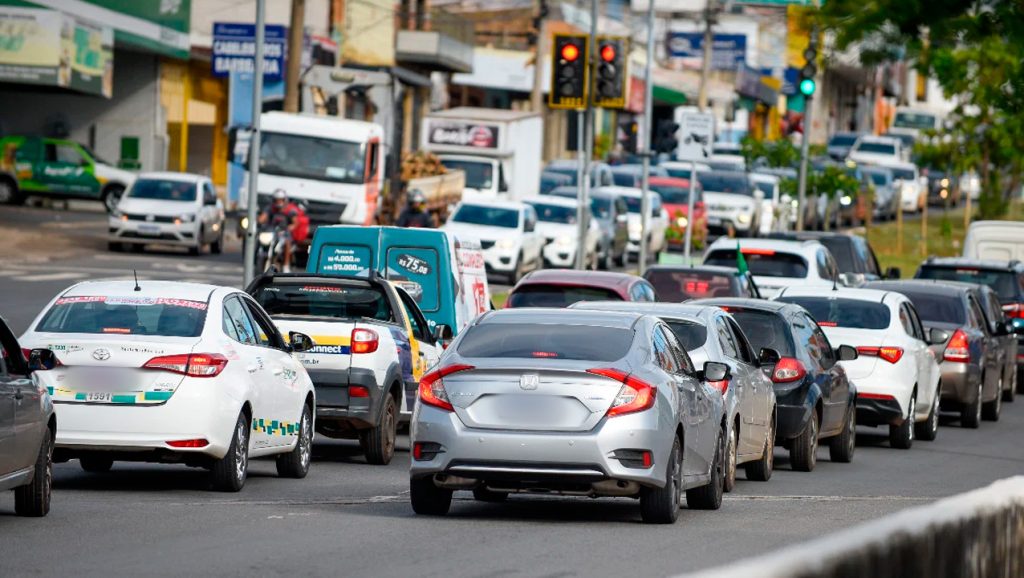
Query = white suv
x=507 y=232
x=776 y=264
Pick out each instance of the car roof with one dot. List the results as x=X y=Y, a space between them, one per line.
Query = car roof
x=697 y=268
x=547 y=316
x=855 y=293
x=495 y=203
x=811 y=236
x=557 y=200
x=765 y=178
x=657 y=309
x=617 y=190
x=878 y=139
x=722 y=172
x=932 y=286
x=780 y=245
x=954 y=262
x=149 y=288
x=760 y=304
x=606 y=279
x=173 y=176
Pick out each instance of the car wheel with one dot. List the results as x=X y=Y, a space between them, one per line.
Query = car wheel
x=217 y=247
x=295 y=464
x=841 y=447
x=196 y=250
x=379 y=442
x=112 y=196
x=970 y=413
x=991 y=409
x=33 y=499
x=9 y=193
x=428 y=499
x=485 y=495
x=729 y=480
x=229 y=473
x=804 y=451
x=929 y=429
x=902 y=436
x=709 y=497
x=96 y=464
x=761 y=470
x=115 y=247
x=661 y=505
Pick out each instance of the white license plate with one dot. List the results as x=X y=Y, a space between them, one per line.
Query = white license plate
x=714 y=221
x=99 y=397
x=149 y=230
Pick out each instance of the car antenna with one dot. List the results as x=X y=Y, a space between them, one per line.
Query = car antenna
x=136 y=274
x=835 y=282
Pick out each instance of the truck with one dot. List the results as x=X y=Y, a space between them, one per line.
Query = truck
x=499 y=150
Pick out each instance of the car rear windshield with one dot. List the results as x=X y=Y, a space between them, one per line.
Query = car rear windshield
x=838 y=312
x=491 y=216
x=1004 y=283
x=633 y=206
x=154 y=316
x=735 y=183
x=555 y=213
x=762 y=263
x=558 y=295
x=905 y=174
x=546 y=341
x=689 y=284
x=765 y=329
x=676 y=195
x=163 y=190
x=938 y=308
x=842 y=140
x=878 y=178
x=876 y=147
x=691 y=335
x=331 y=301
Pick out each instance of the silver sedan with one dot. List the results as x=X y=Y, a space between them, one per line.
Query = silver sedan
x=568 y=402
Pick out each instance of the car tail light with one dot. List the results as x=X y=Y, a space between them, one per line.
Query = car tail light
x=635 y=394
x=957 y=350
x=890 y=354
x=721 y=386
x=190 y=364
x=757 y=251
x=358 y=391
x=1014 y=310
x=364 y=341
x=432 y=386
x=196 y=443
x=884 y=396
x=788 y=370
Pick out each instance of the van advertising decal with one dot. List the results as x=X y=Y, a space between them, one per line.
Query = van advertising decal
x=345 y=260
x=465 y=134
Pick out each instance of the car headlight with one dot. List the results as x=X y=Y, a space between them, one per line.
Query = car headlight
x=682 y=222
x=743 y=218
x=944 y=183
x=943 y=193
x=506 y=243
x=565 y=241
x=845 y=200
x=244 y=223
x=907 y=189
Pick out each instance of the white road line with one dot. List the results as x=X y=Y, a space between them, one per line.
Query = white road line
x=10 y=272
x=67 y=275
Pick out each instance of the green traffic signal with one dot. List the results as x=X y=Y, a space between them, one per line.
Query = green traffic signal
x=807 y=86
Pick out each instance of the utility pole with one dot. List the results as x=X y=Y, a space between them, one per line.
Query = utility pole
x=537 y=93
x=804 y=152
x=588 y=141
x=254 y=144
x=296 y=30
x=645 y=180
x=705 y=67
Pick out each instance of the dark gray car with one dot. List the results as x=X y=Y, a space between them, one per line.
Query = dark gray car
x=27 y=427
x=1004 y=329
x=611 y=213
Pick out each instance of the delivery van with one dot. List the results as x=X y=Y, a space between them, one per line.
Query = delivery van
x=995 y=240
x=443 y=273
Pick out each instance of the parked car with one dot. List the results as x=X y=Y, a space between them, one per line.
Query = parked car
x=372 y=346
x=971 y=366
x=855 y=259
x=27 y=426
x=896 y=374
x=177 y=209
x=164 y=371
x=839 y=144
x=995 y=241
x=612 y=216
x=557 y=223
x=733 y=203
x=777 y=264
x=675 y=198
x=876 y=150
x=677 y=283
x=562 y=288
x=815 y=399
x=507 y=231
x=496 y=414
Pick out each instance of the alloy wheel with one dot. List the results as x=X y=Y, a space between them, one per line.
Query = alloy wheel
x=305 y=441
x=912 y=416
x=242 y=455
x=389 y=431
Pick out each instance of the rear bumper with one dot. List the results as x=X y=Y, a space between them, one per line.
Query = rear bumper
x=959 y=382
x=876 y=412
x=338 y=413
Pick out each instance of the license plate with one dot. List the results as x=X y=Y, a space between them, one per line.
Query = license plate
x=149 y=230
x=714 y=221
x=99 y=397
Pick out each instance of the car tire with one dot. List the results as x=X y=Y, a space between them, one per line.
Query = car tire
x=729 y=479
x=9 y=193
x=970 y=413
x=661 y=505
x=33 y=499
x=761 y=470
x=803 y=453
x=379 y=442
x=111 y=197
x=709 y=496
x=485 y=495
x=929 y=429
x=990 y=410
x=196 y=250
x=115 y=247
x=217 y=247
x=428 y=499
x=295 y=464
x=842 y=447
x=96 y=464
x=902 y=436
x=229 y=473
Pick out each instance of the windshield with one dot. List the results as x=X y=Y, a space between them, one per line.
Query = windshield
x=303 y=300
x=307 y=157
x=601 y=207
x=564 y=171
x=914 y=120
x=765 y=329
x=904 y=174
x=765 y=187
x=479 y=175
x=842 y=140
x=878 y=178
x=735 y=183
x=155 y=316
x=675 y=194
x=762 y=263
x=625 y=179
x=1004 y=283
x=684 y=284
x=938 y=308
x=554 y=341
x=691 y=335
x=555 y=213
x=838 y=312
x=490 y=216
x=877 y=148
x=549 y=182
x=543 y=295
x=633 y=206
x=159 y=190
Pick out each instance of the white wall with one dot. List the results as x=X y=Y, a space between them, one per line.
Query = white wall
x=206 y=12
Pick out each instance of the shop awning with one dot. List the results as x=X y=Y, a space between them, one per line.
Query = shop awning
x=666 y=95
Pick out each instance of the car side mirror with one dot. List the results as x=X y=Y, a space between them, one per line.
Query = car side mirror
x=300 y=342
x=846 y=353
x=768 y=356
x=715 y=371
x=42 y=359
x=937 y=336
x=442 y=333
x=848 y=279
x=893 y=273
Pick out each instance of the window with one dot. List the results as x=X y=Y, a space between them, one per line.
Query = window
x=993 y=309
x=1004 y=283
x=420 y=328
x=479 y=174
x=649 y=294
x=11 y=360
x=765 y=330
x=742 y=347
x=539 y=341
x=549 y=213
x=299 y=300
x=234 y=312
x=803 y=332
x=821 y=346
x=373 y=154
x=307 y=157
x=266 y=334
x=974 y=311
x=763 y=263
x=916 y=321
x=662 y=352
x=418 y=271
x=735 y=183
x=63 y=153
x=841 y=312
x=485 y=215
x=620 y=206
x=726 y=339
x=677 y=285
x=908 y=326
x=164 y=190
x=940 y=308
x=543 y=295
x=690 y=335
x=682 y=359
x=209 y=195
x=125 y=315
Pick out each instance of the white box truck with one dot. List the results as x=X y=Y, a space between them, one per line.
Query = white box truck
x=499 y=150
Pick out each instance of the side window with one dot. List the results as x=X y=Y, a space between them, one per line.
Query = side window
x=742 y=346
x=374 y=152
x=821 y=344
x=266 y=333
x=915 y=319
x=803 y=332
x=649 y=293
x=908 y=326
x=420 y=328
x=822 y=259
x=995 y=310
x=209 y=195
x=234 y=313
x=69 y=154
x=974 y=314
x=683 y=360
x=662 y=353
x=726 y=339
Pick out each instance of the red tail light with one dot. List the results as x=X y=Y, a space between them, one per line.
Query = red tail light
x=432 y=387
x=958 y=349
x=358 y=391
x=757 y=251
x=25 y=352
x=635 y=394
x=788 y=370
x=364 y=341
x=874 y=396
x=196 y=443
x=890 y=354
x=192 y=365
x=1014 y=310
x=721 y=386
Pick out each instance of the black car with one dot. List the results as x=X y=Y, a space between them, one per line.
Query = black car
x=676 y=283
x=814 y=398
x=854 y=255
x=1006 y=278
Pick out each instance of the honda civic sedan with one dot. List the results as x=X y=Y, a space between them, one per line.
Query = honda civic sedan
x=585 y=403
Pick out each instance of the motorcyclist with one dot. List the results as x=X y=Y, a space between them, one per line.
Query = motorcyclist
x=291 y=219
x=415 y=214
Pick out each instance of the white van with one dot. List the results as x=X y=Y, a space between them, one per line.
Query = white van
x=995 y=240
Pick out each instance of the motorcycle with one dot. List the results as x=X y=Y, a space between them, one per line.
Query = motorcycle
x=270 y=242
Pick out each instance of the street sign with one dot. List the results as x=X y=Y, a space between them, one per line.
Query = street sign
x=728 y=51
x=696 y=136
x=235 y=44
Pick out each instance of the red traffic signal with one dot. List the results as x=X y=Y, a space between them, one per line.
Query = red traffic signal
x=570 y=53
x=608 y=53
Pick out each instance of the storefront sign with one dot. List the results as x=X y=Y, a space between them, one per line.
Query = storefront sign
x=234 y=46
x=728 y=52
x=480 y=136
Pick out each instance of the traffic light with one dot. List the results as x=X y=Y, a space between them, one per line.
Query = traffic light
x=665 y=138
x=810 y=69
x=569 y=71
x=610 y=77
x=627 y=136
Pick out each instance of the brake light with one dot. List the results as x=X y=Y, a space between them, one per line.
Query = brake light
x=756 y=251
x=861 y=395
x=432 y=386
x=788 y=370
x=358 y=391
x=828 y=324
x=890 y=354
x=1014 y=310
x=957 y=350
x=26 y=352
x=190 y=364
x=635 y=394
x=196 y=443
x=721 y=386
x=364 y=341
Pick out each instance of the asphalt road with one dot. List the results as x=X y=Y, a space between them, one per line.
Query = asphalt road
x=351 y=519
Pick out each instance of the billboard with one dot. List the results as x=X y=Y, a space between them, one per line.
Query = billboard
x=728 y=51
x=234 y=48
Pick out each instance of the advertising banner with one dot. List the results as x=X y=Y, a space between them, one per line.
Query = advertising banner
x=234 y=48
x=728 y=52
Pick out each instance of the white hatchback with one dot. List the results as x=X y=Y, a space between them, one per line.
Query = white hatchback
x=896 y=373
x=174 y=372
x=776 y=264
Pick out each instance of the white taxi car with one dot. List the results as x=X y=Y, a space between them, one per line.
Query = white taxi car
x=777 y=263
x=174 y=372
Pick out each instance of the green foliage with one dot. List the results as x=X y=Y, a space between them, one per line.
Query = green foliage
x=832 y=181
x=779 y=153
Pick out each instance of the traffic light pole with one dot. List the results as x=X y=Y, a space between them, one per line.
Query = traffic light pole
x=581 y=176
x=645 y=183
x=688 y=243
x=249 y=267
x=804 y=147
x=587 y=144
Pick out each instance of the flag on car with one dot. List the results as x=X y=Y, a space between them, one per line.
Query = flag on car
x=741 y=262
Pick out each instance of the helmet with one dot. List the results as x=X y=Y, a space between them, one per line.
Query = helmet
x=417 y=197
x=280 y=195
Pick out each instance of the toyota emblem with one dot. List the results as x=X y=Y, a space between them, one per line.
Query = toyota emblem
x=100 y=354
x=529 y=381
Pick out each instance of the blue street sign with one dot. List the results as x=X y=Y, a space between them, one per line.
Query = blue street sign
x=729 y=51
x=235 y=44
